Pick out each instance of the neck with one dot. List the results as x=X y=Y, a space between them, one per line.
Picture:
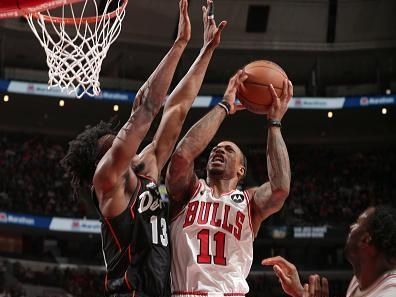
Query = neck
x=220 y=185
x=371 y=270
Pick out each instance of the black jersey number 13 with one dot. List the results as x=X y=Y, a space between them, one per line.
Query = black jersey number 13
x=159 y=230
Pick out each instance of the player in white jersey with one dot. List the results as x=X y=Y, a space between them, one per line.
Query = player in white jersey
x=370 y=248
x=214 y=224
x=213 y=239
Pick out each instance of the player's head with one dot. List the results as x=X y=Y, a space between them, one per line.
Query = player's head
x=85 y=151
x=373 y=235
x=227 y=161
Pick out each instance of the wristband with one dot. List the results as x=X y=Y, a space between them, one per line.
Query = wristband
x=274 y=123
x=225 y=105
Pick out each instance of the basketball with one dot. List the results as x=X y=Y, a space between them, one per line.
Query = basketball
x=255 y=93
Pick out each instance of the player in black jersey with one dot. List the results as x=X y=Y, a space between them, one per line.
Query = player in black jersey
x=124 y=182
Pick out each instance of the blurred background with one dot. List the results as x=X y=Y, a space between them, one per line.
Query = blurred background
x=340 y=131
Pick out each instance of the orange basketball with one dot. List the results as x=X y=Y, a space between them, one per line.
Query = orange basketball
x=254 y=93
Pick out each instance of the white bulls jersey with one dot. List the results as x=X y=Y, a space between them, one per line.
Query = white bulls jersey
x=212 y=244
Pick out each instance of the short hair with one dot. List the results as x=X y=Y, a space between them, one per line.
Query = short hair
x=241 y=181
x=382 y=228
x=81 y=159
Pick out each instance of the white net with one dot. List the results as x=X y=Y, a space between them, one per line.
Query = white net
x=77 y=45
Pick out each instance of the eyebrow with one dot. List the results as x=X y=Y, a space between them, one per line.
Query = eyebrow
x=227 y=146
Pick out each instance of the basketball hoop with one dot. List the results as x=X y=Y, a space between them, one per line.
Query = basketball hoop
x=76 y=44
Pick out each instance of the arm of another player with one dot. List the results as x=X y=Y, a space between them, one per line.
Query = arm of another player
x=269 y=197
x=157 y=85
x=181 y=99
x=108 y=178
x=180 y=178
x=290 y=281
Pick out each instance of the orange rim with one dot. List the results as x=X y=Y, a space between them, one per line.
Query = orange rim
x=94 y=19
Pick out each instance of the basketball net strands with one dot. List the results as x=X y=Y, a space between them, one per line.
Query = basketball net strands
x=75 y=44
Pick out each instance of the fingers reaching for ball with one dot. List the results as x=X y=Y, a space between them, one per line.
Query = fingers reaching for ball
x=279 y=104
x=230 y=93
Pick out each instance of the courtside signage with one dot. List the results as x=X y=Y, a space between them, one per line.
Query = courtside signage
x=308 y=103
x=317 y=103
x=75 y=225
x=24 y=220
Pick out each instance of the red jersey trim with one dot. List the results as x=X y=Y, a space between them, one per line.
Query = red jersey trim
x=195 y=193
x=221 y=194
x=200 y=293
x=147 y=177
x=127 y=282
x=134 y=197
x=249 y=211
x=113 y=234
x=106 y=283
x=129 y=254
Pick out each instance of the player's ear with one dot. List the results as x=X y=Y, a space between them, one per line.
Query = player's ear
x=366 y=239
x=241 y=172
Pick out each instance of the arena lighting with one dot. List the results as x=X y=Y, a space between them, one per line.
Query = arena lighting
x=6 y=98
x=116 y=107
x=61 y=103
x=388 y=91
x=384 y=111
x=330 y=114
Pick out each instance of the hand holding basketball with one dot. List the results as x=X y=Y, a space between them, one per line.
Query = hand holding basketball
x=255 y=93
x=184 y=30
x=230 y=93
x=278 y=107
x=212 y=32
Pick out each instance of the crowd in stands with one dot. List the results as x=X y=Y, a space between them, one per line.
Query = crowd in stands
x=32 y=180
x=331 y=185
x=78 y=282
x=328 y=184
x=85 y=282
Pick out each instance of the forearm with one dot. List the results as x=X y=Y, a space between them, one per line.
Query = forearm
x=188 y=88
x=200 y=135
x=157 y=85
x=278 y=163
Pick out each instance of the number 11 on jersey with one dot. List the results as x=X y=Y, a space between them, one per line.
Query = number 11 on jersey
x=204 y=246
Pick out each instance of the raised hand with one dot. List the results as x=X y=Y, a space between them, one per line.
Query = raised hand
x=279 y=104
x=184 y=30
x=230 y=93
x=317 y=287
x=287 y=274
x=212 y=32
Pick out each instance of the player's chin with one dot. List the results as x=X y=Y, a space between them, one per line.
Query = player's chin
x=216 y=169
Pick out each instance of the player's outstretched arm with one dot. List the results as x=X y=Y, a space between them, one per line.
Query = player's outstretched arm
x=269 y=197
x=180 y=178
x=181 y=99
x=108 y=179
x=157 y=85
x=287 y=274
x=288 y=277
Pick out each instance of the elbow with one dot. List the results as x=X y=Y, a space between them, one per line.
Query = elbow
x=279 y=197
x=282 y=193
x=180 y=158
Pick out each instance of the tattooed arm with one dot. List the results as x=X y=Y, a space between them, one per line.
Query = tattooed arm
x=182 y=97
x=180 y=178
x=269 y=198
x=109 y=180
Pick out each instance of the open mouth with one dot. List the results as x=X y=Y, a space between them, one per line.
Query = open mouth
x=218 y=158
